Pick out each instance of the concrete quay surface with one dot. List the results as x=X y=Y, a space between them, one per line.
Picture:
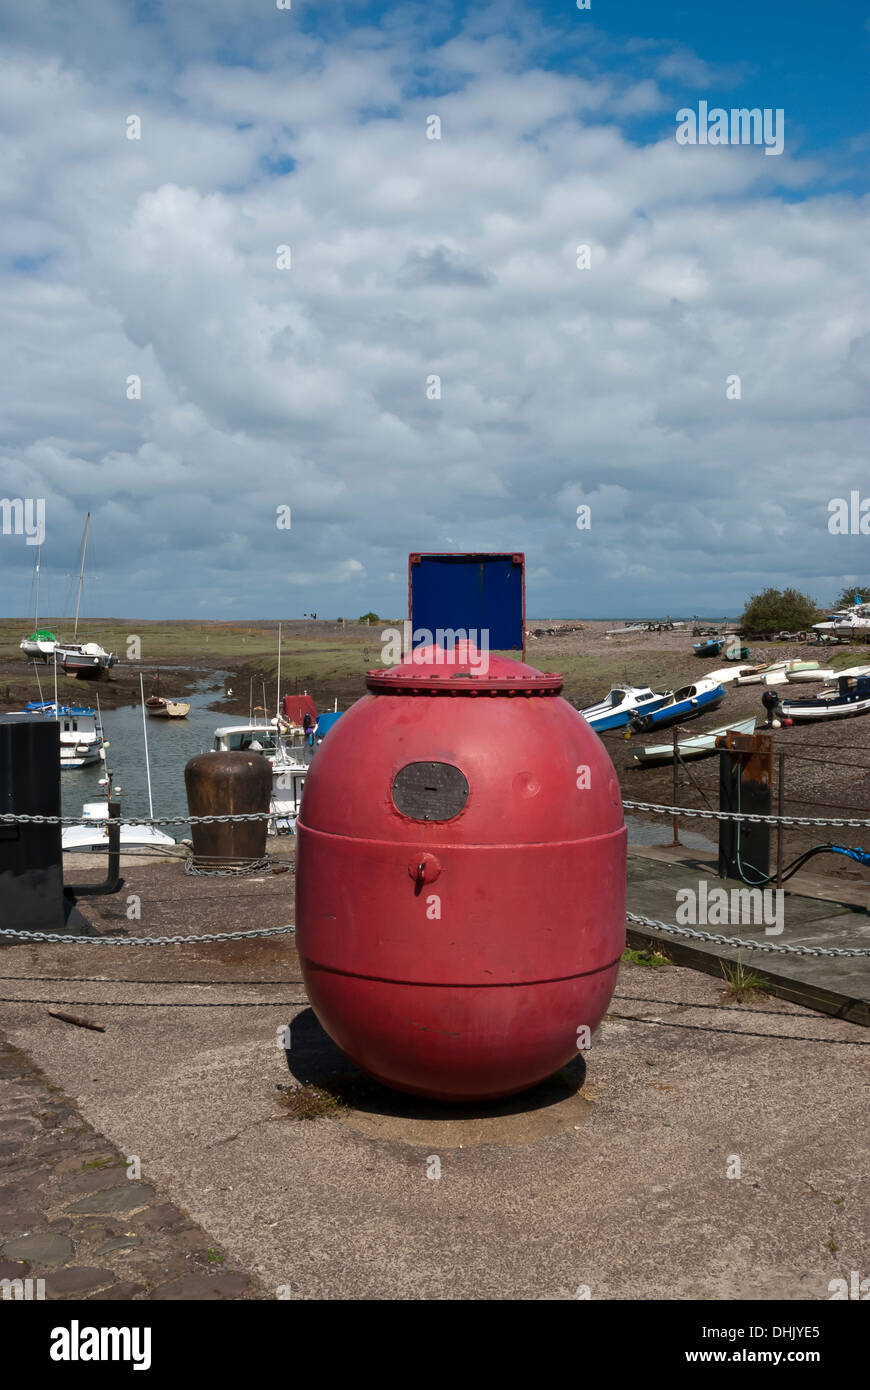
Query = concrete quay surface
x=838 y=985
x=621 y=1188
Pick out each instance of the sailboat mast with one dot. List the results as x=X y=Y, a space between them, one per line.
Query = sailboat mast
x=36 y=601
x=145 y=737
x=81 y=574
x=278 y=691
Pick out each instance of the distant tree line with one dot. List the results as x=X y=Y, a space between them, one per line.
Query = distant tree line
x=787 y=610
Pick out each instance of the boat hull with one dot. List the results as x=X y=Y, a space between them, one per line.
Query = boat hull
x=89 y=836
x=805 y=711
x=618 y=716
x=85 y=760
x=851 y=697
x=807 y=677
x=680 y=711
x=701 y=746
x=167 y=709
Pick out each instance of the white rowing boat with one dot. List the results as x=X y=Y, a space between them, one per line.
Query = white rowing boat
x=803 y=677
x=776 y=673
x=730 y=673
x=697 y=746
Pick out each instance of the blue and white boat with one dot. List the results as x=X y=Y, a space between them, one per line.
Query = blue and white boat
x=680 y=705
x=617 y=708
x=712 y=647
x=81 y=731
x=851 y=695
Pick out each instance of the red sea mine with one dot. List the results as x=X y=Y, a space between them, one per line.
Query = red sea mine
x=460 y=884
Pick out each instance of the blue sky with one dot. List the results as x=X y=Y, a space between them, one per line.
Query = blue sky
x=309 y=386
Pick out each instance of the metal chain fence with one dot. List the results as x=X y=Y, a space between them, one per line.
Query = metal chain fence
x=62 y=938
x=743 y=815
x=742 y=945
x=10 y=818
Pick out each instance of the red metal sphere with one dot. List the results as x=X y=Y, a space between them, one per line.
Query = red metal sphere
x=460 y=882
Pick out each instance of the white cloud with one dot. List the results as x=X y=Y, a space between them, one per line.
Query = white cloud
x=412 y=257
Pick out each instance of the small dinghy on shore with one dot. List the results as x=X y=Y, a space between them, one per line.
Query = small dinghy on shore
x=776 y=673
x=616 y=709
x=683 y=704
x=730 y=673
x=850 y=696
x=697 y=746
x=804 y=677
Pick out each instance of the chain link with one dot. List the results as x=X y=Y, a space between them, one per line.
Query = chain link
x=742 y=815
x=10 y=818
x=670 y=928
x=255 y=867
x=145 y=940
x=744 y=945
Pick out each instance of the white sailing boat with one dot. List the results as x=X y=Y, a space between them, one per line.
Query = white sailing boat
x=86 y=660
x=41 y=643
x=93 y=833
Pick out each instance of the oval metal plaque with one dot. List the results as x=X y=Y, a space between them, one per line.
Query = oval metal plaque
x=429 y=791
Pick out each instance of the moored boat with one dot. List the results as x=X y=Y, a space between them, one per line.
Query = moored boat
x=81 y=731
x=850 y=696
x=730 y=673
x=806 y=677
x=84 y=660
x=695 y=746
x=159 y=707
x=615 y=710
x=93 y=833
x=776 y=672
x=853 y=621
x=40 y=645
x=682 y=704
x=87 y=662
x=287 y=755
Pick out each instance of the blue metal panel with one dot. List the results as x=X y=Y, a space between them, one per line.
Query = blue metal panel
x=470 y=592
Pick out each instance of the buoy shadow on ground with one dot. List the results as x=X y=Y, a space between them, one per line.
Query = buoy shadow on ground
x=554 y=1106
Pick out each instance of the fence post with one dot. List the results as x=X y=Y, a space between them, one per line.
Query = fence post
x=676 y=839
x=779 y=805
